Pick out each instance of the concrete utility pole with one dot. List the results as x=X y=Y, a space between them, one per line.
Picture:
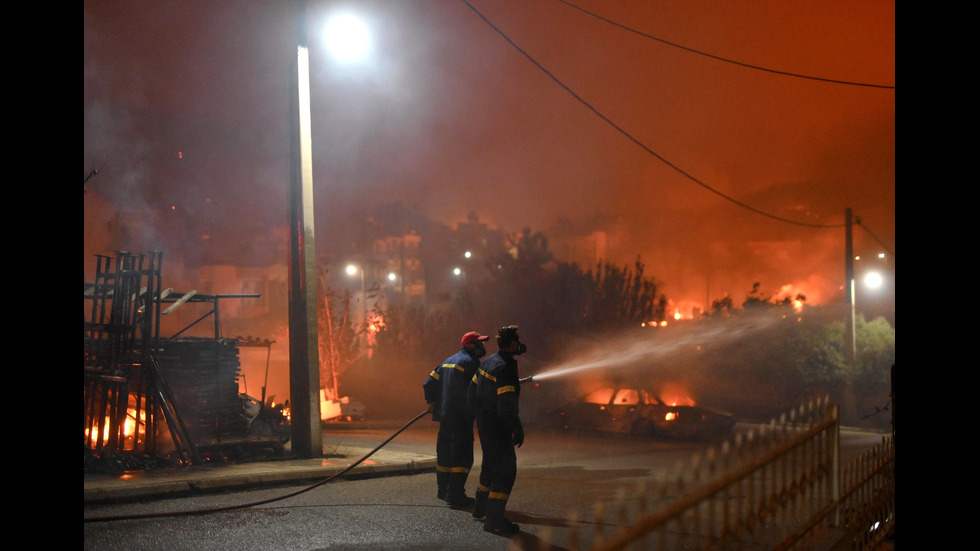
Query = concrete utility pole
x=304 y=361
x=850 y=335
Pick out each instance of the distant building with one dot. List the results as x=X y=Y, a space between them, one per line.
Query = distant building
x=399 y=268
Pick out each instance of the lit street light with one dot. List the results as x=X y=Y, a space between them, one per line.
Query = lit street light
x=304 y=361
x=353 y=269
x=347 y=38
x=872 y=280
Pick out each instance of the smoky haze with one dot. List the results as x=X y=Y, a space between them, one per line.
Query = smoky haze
x=186 y=104
x=630 y=356
x=668 y=361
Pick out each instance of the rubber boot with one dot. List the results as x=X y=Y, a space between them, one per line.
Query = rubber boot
x=442 y=482
x=456 y=493
x=480 y=504
x=496 y=522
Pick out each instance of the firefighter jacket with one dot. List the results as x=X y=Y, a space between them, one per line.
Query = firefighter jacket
x=447 y=385
x=495 y=393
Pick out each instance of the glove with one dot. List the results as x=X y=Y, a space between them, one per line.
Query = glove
x=430 y=407
x=518 y=437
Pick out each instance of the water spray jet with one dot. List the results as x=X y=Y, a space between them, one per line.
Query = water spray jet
x=631 y=350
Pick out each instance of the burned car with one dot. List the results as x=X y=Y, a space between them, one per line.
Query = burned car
x=640 y=413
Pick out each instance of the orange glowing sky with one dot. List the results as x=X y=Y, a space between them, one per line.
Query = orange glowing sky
x=450 y=118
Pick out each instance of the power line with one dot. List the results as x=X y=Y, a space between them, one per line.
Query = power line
x=858 y=221
x=719 y=58
x=635 y=140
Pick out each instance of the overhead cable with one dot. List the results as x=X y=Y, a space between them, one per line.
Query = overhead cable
x=858 y=221
x=635 y=140
x=719 y=58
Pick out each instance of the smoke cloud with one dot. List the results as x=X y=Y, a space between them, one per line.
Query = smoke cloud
x=185 y=106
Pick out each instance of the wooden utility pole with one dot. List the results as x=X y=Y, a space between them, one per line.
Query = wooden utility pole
x=850 y=335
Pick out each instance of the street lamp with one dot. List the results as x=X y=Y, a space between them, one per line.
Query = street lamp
x=353 y=269
x=870 y=280
x=347 y=38
x=304 y=361
x=850 y=338
x=873 y=280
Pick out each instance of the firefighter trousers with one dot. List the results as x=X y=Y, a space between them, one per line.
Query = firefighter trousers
x=498 y=471
x=454 y=456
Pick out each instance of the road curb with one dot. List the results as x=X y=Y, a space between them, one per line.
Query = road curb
x=107 y=489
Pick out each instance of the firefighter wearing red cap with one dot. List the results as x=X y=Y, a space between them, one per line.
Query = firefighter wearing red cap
x=495 y=394
x=446 y=395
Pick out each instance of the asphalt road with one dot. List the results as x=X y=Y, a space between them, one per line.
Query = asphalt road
x=557 y=474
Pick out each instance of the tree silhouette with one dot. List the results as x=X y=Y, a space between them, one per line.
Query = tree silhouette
x=338 y=343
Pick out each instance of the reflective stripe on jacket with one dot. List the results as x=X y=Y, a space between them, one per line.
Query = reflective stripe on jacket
x=446 y=386
x=495 y=391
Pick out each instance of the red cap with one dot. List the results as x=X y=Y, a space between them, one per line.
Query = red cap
x=473 y=336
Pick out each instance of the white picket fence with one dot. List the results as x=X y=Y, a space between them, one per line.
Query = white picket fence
x=780 y=487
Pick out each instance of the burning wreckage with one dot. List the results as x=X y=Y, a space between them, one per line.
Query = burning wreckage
x=641 y=413
x=151 y=396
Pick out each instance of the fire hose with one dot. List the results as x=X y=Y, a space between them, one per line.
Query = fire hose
x=264 y=501
x=270 y=500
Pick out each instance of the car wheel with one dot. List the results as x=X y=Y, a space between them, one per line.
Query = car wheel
x=643 y=428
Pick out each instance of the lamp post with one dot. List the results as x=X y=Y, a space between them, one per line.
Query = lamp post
x=850 y=340
x=351 y=270
x=304 y=361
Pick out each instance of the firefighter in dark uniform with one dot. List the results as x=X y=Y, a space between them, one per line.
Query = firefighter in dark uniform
x=495 y=393
x=446 y=395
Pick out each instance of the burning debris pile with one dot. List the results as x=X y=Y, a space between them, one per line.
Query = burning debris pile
x=117 y=463
x=144 y=393
x=203 y=375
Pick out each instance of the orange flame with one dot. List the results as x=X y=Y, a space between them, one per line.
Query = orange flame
x=133 y=432
x=675 y=395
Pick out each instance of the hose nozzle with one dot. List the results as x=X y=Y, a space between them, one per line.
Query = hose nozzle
x=526 y=379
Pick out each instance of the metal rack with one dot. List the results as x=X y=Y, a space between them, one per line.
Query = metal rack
x=130 y=371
